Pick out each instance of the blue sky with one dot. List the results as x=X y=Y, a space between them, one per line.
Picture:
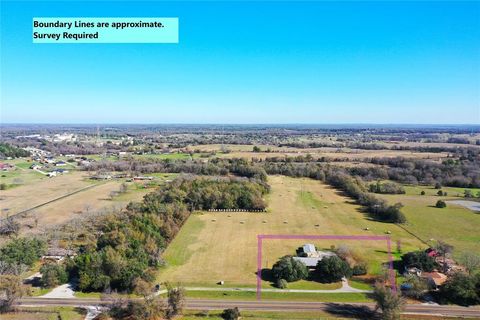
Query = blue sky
x=250 y=62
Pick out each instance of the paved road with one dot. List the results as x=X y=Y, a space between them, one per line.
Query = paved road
x=208 y=304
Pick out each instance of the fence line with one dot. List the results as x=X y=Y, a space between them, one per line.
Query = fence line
x=237 y=210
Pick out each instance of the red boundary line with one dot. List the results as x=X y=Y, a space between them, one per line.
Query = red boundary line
x=260 y=238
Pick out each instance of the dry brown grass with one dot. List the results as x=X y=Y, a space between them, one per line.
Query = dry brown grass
x=85 y=202
x=38 y=192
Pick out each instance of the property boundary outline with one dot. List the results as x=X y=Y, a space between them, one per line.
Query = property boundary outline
x=261 y=237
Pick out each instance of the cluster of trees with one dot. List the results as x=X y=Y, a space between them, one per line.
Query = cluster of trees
x=386 y=188
x=15 y=258
x=11 y=289
x=333 y=269
x=53 y=274
x=218 y=193
x=214 y=167
x=378 y=208
x=9 y=151
x=20 y=253
x=289 y=270
x=419 y=259
x=462 y=289
x=463 y=173
x=130 y=244
x=129 y=247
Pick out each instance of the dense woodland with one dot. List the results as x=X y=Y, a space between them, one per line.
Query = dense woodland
x=10 y=151
x=131 y=242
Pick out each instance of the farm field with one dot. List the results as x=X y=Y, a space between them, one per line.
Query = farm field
x=210 y=243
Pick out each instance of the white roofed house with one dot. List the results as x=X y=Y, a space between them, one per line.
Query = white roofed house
x=309 y=249
x=58 y=254
x=310 y=256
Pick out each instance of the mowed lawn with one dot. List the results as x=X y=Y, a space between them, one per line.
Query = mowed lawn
x=212 y=247
x=454 y=224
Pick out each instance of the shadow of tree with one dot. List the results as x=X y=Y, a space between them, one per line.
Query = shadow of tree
x=316 y=277
x=351 y=311
x=266 y=275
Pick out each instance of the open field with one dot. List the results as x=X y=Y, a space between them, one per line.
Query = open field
x=245 y=151
x=71 y=196
x=431 y=191
x=205 y=248
x=90 y=200
x=20 y=175
x=37 y=192
x=454 y=224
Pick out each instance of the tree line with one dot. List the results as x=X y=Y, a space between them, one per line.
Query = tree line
x=338 y=177
x=131 y=243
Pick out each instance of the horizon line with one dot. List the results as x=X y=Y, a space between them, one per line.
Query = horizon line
x=244 y=123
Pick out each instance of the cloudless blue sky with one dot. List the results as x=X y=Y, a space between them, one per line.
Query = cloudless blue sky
x=250 y=62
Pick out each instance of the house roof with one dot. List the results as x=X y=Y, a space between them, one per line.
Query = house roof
x=59 y=252
x=437 y=277
x=309 y=248
x=309 y=262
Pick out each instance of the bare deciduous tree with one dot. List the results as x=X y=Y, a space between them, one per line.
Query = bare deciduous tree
x=11 y=289
x=391 y=303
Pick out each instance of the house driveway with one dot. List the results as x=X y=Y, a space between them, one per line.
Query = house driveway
x=65 y=291
x=472 y=205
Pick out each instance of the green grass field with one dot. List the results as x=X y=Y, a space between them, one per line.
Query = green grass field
x=20 y=175
x=287 y=296
x=46 y=313
x=431 y=191
x=454 y=224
